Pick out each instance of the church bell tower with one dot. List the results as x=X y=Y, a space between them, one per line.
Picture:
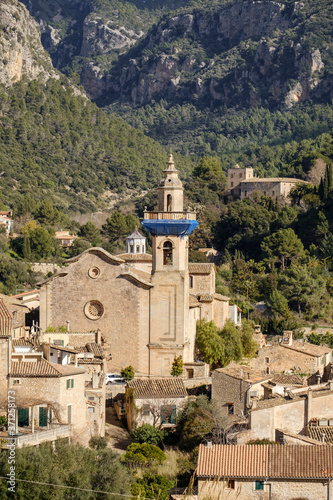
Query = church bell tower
x=170 y=227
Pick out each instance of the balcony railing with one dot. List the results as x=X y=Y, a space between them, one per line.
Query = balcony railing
x=34 y=439
x=170 y=215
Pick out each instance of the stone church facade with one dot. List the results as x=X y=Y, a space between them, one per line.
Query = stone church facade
x=146 y=313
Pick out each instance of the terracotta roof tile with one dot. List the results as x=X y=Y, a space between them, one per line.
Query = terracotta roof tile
x=285 y=379
x=243 y=372
x=96 y=349
x=200 y=268
x=260 y=180
x=316 y=432
x=261 y=461
x=158 y=388
x=41 y=368
x=301 y=461
x=233 y=461
x=6 y=319
x=23 y=341
x=308 y=348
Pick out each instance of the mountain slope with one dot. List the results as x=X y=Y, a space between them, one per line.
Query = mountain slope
x=56 y=144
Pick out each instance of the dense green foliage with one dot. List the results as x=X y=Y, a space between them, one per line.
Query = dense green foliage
x=219 y=347
x=143 y=455
x=177 y=366
x=61 y=147
x=70 y=465
x=152 y=486
x=128 y=372
x=148 y=434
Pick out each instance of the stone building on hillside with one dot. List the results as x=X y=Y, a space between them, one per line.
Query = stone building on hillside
x=265 y=472
x=142 y=305
x=243 y=184
x=154 y=401
x=289 y=414
x=234 y=388
x=291 y=355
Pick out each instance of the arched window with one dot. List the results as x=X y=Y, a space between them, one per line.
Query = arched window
x=169 y=203
x=167 y=253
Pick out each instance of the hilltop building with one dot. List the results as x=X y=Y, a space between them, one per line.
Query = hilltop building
x=243 y=184
x=145 y=306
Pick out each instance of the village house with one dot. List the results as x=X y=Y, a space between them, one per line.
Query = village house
x=234 y=387
x=154 y=401
x=285 y=472
x=6 y=221
x=145 y=306
x=20 y=314
x=294 y=356
x=290 y=413
x=55 y=397
x=66 y=239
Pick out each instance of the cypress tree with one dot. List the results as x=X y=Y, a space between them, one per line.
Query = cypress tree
x=26 y=248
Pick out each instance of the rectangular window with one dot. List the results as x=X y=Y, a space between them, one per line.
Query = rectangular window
x=231 y=409
x=259 y=485
x=231 y=184
x=146 y=410
x=168 y=414
x=191 y=281
x=266 y=360
x=240 y=176
x=92 y=410
x=230 y=484
x=69 y=383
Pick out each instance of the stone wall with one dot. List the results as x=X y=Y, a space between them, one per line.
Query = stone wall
x=280 y=490
x=279 y=359
x=229 y=390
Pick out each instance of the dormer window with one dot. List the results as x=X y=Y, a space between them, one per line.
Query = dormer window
x=167 y=253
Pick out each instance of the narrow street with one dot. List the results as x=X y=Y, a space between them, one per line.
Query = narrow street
x=117 y=436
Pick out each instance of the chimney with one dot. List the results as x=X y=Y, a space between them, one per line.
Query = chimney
x=209 y=444
x=309 y=406
x=241 y=373
x=248 y=375
x=98 y=337
x=68 y=325
x=323 y=437
x=76 y=359
x=318 y=378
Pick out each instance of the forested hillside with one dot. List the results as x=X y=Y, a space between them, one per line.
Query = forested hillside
x=56 y=144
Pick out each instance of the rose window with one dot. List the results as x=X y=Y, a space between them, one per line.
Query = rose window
x=94 y=309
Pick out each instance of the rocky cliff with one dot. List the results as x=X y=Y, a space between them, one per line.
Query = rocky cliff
x=243 y=53
x=22 y=53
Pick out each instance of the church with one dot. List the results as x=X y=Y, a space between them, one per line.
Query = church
x=144 y=306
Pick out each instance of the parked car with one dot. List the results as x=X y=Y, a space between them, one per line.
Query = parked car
x=118 y=380
x=114 y=378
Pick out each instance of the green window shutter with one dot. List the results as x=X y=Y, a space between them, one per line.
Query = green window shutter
x=72 y=383
x=67 y=383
